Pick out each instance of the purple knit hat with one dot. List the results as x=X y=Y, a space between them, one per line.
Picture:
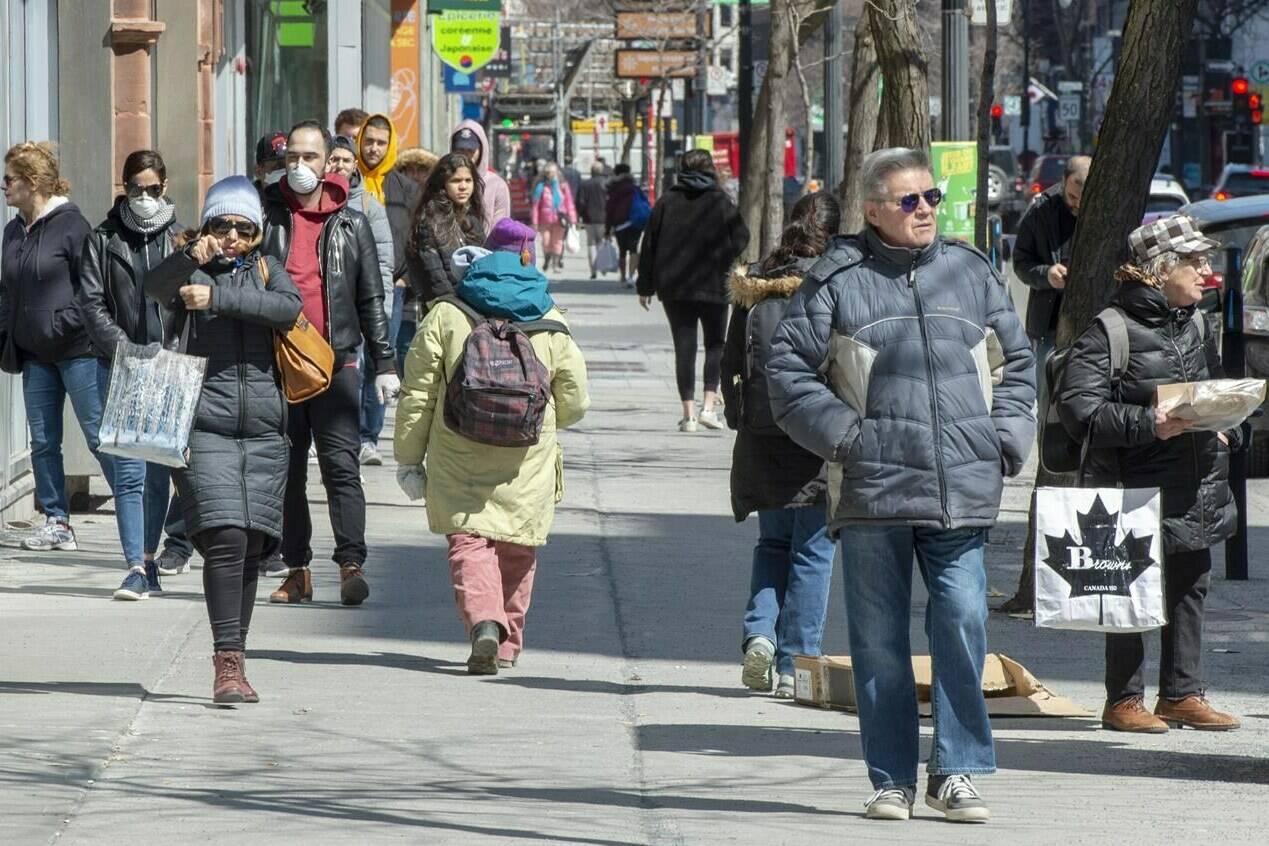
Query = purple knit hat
x=512 y=236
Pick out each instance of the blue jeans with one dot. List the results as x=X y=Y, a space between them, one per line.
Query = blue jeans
x=131 y=487
x=877 y=561
x=372 y=411
x=789 y=585
x=158 y=490
x=405 y=337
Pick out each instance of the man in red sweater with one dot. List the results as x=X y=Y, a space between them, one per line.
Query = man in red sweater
x=329 y=252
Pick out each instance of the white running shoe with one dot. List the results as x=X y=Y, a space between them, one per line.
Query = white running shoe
x=56 y=533
x=710 y=420
x=687 y=424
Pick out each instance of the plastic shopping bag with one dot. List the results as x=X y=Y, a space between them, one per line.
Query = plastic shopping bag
x=1214 y=405
x=572 y=239
x=606 y=258
x=1098 y=559
x=150 y=406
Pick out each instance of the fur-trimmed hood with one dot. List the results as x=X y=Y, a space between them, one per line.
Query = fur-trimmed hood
x=748 y=286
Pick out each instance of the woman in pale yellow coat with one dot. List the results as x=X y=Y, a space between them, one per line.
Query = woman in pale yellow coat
x=494 y=504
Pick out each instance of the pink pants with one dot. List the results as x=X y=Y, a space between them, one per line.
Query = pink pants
x=552 y=238
x=493 y=580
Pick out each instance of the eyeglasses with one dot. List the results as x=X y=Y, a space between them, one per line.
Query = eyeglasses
x=911 y=202
x=221 y=226
x=135 y=190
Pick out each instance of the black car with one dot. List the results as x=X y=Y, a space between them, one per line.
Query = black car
x=1006 y=188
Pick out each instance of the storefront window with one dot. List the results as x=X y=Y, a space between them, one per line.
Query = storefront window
x=286 y=65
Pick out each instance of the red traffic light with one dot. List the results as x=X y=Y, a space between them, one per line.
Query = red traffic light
x=1257 y=116
x=997 y=110
x=1253 y=101
x=1239 y=85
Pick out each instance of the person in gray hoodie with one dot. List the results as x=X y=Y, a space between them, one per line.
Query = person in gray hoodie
x=902 y=363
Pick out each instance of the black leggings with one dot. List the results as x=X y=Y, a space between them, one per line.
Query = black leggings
x=231 y=571
x=684 y=315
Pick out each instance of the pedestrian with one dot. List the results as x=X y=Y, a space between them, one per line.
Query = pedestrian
x=622 y=191
x=693 y=238
x=1130 y=444
x=42 y=336
x=607 y=169
x=377 y=158
x=592 y=211
x=770 y=474
x=469 y=139
x=571 y=175
x=349 y=121
x=552 y=213
x=270 y=159
x=343 y=160
x=233 y=300
x=329 y=252
x=494 y=504
x=450 y=215
x=139 y=232
x=417 y=163
x=883 y=366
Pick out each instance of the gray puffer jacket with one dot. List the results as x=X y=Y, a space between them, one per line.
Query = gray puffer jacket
x=910 y=373
x=237 y=449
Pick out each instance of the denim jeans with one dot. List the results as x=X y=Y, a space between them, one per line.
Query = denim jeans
x=129 y=487
x=158 y=491
x=789 y=584
x=405 y=337
x=372 y=411
x=877 y=561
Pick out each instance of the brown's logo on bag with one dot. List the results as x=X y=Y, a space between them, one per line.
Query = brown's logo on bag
x=1096 y=564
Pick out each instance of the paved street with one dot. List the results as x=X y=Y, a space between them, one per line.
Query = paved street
x=625 y=722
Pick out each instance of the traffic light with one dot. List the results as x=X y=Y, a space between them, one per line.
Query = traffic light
x=1254 y=104
x=997 y=112
x=1240 y=96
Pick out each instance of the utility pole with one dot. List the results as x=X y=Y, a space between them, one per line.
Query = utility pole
x=834 y=143
x=702 y=70
x=1025 y=118
x=745 y=98
x=560 y=106
x=955 y=71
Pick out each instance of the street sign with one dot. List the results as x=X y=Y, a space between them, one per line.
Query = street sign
x=457 y=82
x=955 y=169
x=1013 y=105
x=466 y=41
x=1069 y=108
x=500 y=65
x=978 y=9
x=655 y=25
x=1260 y=73
x=1068 y=87
x=1220 y=66
x=654 y=64
x=936 y=106
x=721 y=80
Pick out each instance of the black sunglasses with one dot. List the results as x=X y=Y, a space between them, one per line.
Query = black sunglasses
x=220 y=227
x=911 y=202
x=135 y=190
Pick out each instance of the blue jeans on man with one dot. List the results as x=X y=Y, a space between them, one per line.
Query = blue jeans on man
x=877 y=563
x=372 y=411
x=790 y=581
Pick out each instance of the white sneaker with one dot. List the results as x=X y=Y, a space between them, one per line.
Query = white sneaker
x=710 y=420
x=891 y=803
x=687 y=424
x=785 y=688
x=54 y=534
x=369 y=456
x=756 y=673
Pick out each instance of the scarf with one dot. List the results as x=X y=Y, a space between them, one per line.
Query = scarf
x=147 y=227
x=556 y=196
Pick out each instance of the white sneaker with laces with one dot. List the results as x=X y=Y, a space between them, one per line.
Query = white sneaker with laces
x=54 y=534
x=369 y=456
x=687 y=424
x=957 y=798
x=710 y=420
x=891 y=803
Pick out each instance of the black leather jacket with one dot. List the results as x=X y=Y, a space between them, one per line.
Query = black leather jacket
x=350 y=274
x=108 y=294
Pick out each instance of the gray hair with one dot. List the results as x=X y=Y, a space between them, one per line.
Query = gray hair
x=1161 y=265
x=879 y=166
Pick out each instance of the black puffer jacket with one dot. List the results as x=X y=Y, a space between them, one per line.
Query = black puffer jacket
x=768 y=471
x=432 y=273
x=1192 y=469
x=1044 y=239
x=109 y=297
x=238 y=451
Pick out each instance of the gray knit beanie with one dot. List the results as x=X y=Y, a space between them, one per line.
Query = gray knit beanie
x=233 y=195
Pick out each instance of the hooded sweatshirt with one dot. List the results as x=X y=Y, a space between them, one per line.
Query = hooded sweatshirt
x=397 y=193
x=497 y=194
x=373 y=177
x=304 y=261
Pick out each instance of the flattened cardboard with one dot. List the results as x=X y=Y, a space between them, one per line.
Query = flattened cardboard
x=1009 y=688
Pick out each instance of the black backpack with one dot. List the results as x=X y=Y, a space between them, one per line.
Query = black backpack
x=755 y=400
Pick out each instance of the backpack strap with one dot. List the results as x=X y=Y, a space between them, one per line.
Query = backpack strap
x=462 y=306
x=528 y=327
x=1200 y=323
x=1116 y=326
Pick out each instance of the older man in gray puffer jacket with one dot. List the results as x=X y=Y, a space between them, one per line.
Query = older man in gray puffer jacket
x=902 y=363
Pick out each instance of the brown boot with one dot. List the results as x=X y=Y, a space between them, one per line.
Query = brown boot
x=1194 y=712
x=1131 y=715
x=298 y=587
x=353 y=588
x=227 y=688
x=248 y=691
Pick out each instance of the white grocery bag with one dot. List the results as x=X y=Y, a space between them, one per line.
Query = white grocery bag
x=572 y=239
x=606 y=258
x=150 y=407
x=1098 y=559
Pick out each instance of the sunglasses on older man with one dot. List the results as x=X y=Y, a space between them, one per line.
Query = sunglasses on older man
x=911 y=202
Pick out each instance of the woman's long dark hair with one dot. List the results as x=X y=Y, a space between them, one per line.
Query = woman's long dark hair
x=813 y=221
x=434 y=215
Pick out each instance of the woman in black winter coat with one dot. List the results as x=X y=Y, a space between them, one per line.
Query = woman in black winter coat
x=786 y=485
x=230 y=301
x=693 y=238
x=1133 y=445
x=450 y=214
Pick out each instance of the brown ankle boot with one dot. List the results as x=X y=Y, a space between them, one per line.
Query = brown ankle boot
x=248 y=691
x=227 y=688
x=298 y=587
x=1194 y=712
x=353 y=588
x=1131 y=715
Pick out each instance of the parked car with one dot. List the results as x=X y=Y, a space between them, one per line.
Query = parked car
x=1006 y=187
x=1241 y=181
x=1167 y=196
x=1046 y=172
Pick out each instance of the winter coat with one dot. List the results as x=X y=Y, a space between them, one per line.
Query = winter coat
x=592 y=201
x=351 y=282
x=431 y=267
x=693 y=238
x=500 y=493
x=767 y=471
x=496 y=193
x=237 y=450
x=544 y=211
x=1191 y=470
x=110 y=297
x=908 y=371
x=40 y=316
x=621 y=192
x=360 y=199
x=1044 y=236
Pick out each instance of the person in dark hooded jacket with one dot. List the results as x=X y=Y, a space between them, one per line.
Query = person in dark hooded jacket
x=693 y=238
x=770 y=474
x=1133 y=445
x=450 y=214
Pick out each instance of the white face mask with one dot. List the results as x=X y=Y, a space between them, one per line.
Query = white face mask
x=144 y=207
x=274 y=176
x=302 y=179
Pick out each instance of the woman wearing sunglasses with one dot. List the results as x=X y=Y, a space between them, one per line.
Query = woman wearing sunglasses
x=233 y=299
x=139 y=232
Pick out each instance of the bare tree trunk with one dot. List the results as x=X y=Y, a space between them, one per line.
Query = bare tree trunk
x=986 y=95
x=783 y=38
x=864 y=128
x=903 y=65
x=629 y=113
x=658 y=177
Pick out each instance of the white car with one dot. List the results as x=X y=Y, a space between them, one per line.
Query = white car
x=1166 y=197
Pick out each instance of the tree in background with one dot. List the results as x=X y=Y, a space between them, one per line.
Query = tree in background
x=986 y=96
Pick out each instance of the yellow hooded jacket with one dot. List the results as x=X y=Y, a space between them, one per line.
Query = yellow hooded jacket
x=372 y=177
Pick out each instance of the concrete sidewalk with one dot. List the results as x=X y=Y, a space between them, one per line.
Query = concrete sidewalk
x=625 y=722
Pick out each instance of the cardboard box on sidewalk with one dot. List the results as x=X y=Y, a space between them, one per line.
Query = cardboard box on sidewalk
x=1010 y=688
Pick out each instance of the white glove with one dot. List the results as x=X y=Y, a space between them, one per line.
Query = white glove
x=387 y=386
x=412 y=479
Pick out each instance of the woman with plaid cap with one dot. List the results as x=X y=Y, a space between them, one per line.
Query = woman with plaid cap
x=1133 y=445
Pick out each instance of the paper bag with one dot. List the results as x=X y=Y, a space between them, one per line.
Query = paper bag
x=1214 y=405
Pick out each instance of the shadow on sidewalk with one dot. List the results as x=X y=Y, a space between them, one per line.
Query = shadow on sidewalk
x=390 y=660
x=126 y=690
x=617 y=688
